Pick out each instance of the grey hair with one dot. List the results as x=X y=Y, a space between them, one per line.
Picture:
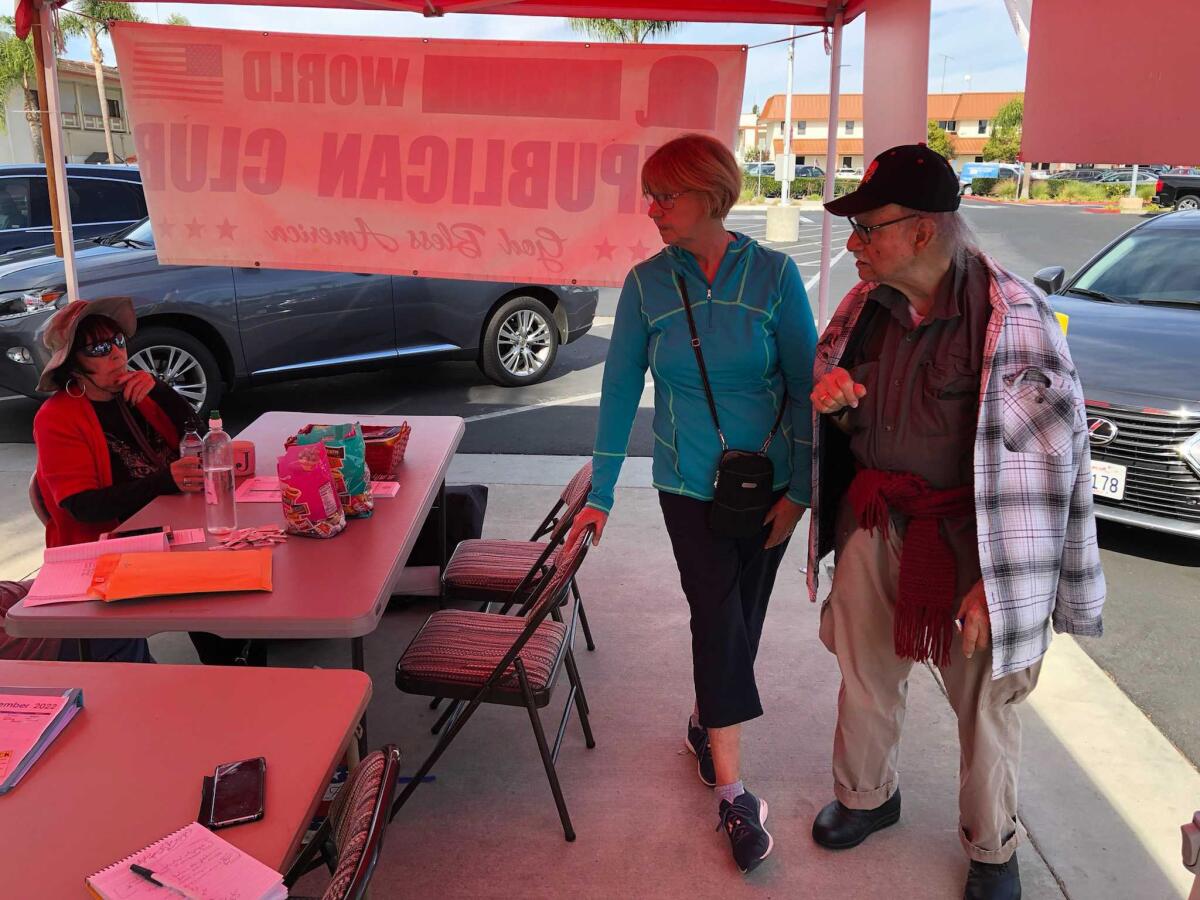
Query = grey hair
x=954 y=232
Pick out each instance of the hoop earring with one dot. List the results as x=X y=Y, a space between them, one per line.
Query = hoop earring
x=67 y=388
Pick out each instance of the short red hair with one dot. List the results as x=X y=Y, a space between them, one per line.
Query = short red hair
x=695 y=162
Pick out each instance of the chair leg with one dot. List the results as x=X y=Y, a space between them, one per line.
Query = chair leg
x=551 y=775
x=451 y=708
x=438 y=749
x=587 y=632
x=580 y=700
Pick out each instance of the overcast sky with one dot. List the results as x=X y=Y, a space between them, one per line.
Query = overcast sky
x=976 y=34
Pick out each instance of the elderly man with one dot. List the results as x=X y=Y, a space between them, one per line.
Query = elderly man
x=952 y=481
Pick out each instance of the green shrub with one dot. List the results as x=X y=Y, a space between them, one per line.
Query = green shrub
x=1082 y=191
x=760 y=187
x=983 y=187
x=1006 y=189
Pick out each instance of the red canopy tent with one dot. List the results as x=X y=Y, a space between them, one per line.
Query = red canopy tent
x=895 y=74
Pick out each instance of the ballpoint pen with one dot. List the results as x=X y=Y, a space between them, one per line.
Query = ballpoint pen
x=161 y=881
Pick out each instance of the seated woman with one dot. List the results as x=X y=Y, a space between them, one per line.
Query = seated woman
x=108 y=443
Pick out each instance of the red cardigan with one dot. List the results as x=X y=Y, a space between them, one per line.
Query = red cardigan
x=72 y=456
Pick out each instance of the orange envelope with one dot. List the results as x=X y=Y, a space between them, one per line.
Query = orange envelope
x=120 y=576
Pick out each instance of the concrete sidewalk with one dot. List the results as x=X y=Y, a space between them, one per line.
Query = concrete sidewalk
x=1103 y=793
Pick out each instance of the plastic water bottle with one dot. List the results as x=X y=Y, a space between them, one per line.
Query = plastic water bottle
x=191 y=445
x=219 y=504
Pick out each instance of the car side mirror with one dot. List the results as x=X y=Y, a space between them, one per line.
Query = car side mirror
x=1050 y=279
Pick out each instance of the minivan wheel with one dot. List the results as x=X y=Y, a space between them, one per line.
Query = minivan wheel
x=181 y=361
x=520 y=343
x=1190 y=201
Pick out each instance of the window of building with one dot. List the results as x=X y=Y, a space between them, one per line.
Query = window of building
x=69 y=101
x=979 y=159
x=114 y=108
x=983 y=126
x=850 y=123
x=847 y=162
x=781 y=129
x=948 y=124
x=799 y=160
x=802 y=127
x=89 y=102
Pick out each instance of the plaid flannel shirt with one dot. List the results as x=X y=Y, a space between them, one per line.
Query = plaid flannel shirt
x=1033 y=487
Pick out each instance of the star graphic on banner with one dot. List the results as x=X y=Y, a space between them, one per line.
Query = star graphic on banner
x=165 y=227
x=225 y=229
x=604 y=250
x=639 y=250
x=195 y=229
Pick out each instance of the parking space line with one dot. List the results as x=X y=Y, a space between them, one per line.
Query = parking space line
x=561 y=401
x=808 y=285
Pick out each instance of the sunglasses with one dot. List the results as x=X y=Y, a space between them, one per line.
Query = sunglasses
x=99 y=349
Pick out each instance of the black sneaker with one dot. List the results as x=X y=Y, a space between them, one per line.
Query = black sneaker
x=697 y=743
x=993 y=881
x=743 y=821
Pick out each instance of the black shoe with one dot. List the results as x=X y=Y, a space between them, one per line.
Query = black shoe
x=839 y=828
x=994 y=881
x=697 y=743
x=743 y=822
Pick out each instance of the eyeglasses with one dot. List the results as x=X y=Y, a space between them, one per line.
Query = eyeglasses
x=103 y=348
x=864 y=231
x=665 y=201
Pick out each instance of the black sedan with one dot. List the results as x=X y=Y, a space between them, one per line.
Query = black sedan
x=1133 y=327
x=208 y=329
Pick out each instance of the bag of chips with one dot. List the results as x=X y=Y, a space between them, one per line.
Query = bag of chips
x=311 y=506
x=348 y=460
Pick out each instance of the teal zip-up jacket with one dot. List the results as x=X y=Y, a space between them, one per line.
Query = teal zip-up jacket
x=758 y=337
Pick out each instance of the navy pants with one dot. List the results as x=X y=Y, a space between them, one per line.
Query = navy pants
x=728 y=583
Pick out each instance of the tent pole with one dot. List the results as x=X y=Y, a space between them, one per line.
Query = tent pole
x=55 y=159
x=44 y=124
x=835 y=85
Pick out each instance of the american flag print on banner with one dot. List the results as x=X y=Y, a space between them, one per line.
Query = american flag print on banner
x=179 y=71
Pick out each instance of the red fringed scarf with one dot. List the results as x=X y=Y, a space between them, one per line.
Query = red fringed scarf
x=925 y=609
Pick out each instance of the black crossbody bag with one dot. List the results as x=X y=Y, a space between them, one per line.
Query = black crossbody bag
x=744 y=486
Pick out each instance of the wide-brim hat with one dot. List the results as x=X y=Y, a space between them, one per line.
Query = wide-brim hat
x=59 y=333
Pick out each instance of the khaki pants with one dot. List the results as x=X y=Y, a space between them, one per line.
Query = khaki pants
x=856 y=625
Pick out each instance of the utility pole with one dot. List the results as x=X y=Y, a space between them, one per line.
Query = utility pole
x=788 y=169
x=945 y=59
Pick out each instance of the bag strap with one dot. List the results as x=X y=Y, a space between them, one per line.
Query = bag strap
x=712 y=406
x=139 y=436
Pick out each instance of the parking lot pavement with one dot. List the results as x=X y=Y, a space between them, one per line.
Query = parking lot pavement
x=1152 y=623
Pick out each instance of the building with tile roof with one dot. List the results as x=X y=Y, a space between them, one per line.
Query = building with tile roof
x=968 y=118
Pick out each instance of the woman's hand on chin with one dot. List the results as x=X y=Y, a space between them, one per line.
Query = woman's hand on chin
x=136 y=386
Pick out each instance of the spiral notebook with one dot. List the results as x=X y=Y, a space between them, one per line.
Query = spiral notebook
x=198 y=863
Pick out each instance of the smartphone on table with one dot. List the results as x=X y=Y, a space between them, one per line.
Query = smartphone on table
x=238 y=790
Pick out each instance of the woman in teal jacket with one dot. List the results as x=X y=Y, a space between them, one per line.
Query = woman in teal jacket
x=757 y=334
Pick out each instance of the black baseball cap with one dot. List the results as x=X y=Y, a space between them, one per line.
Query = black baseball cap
x=910 y=175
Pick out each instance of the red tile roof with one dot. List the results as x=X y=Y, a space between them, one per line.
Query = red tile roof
x=815 y=107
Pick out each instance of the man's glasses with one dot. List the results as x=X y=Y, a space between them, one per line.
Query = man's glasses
x=102 y=348
x=864 y=231
x=665 y=201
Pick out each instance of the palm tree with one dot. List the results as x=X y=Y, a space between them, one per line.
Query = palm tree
x=92 y=20
x=177 y=19
x=18 y=68
x=625 y=31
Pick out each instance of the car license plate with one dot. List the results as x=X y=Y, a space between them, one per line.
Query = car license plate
x=1108 y=480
